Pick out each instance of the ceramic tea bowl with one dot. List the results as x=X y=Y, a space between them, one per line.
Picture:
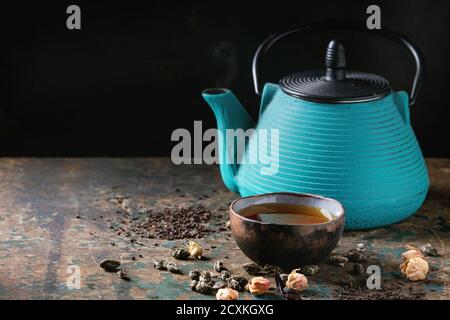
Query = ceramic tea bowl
x=287 y=245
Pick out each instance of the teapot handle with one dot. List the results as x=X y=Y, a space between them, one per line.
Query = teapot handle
x=350 y=25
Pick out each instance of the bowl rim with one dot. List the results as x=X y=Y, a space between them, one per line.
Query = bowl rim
x=341 y=210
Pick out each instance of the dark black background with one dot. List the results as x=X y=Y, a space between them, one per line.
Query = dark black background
x=135 y=71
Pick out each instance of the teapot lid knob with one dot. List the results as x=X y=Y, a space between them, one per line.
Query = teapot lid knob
x=335 y=84
x=335 y=61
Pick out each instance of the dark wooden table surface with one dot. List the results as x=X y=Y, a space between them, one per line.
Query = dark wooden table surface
x=53 y=226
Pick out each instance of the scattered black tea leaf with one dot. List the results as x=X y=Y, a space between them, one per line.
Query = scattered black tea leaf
x=110 y=265
x=361 y=247
x=180 y=254
x=169 y=223
x=205 y=276
x=429 y=250
x=123 y=274
x=219 y=284
x=172 y=267
x=337 y=260
x=356 y=256
x=348 y=281
x=284 y=277
x=203 y=287
x=234 y=284
x=237 y=283
x=192 y=285
x=224 y=275
x=271 y=269
x=309 y=270
x=254 y=269
x=292 y=294
x=357 y=269
x=194 y=274
x=159 y=264
x=218 y=266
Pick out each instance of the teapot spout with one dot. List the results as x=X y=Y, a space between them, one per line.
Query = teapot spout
x=230 y=115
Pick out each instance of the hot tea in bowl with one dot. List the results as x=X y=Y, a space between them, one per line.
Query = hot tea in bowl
x=286 y=229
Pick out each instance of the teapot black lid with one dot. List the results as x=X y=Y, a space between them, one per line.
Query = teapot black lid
x=335 y=84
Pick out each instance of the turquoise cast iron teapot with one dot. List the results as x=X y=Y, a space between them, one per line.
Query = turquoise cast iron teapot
x=341 y=134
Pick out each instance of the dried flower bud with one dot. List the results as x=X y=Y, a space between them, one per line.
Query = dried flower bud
x=415 y=268
x=412 y=253
x=195 y=250
x=227 y=294
x=258 y=285
x=297 y=281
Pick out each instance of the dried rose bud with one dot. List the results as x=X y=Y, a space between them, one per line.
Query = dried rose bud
x=195 y=249
x=415 y=268
x=227 y=294
x=258 y=285
x=411 y=253
x=297 y=281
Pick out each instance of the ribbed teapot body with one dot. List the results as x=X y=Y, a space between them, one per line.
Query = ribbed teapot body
x=363 y=154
